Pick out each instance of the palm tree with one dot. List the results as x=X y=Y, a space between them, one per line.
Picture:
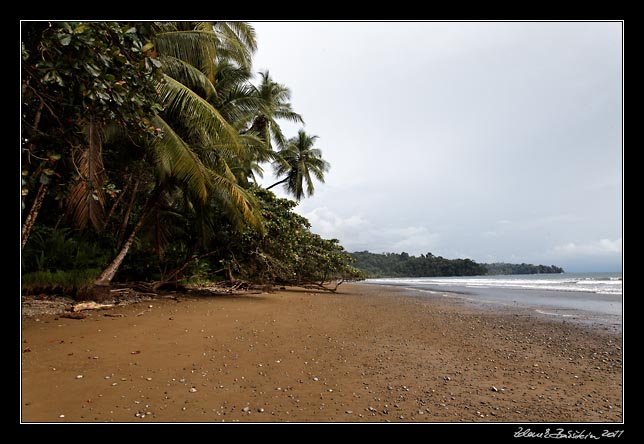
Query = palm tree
x=274 y=104
x=197 y=142
x=255 y=110
x=299 y=160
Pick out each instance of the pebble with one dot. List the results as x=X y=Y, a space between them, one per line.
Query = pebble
x=246 y=409
x=260 y=410
x=349 y=412
x=316 y=378
x=192 y=389
x=79 y=376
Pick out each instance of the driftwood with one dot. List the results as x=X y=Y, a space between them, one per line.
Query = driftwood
x=90 y=306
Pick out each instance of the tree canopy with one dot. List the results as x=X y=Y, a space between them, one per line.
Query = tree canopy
x=427 y=265
x=140 y=146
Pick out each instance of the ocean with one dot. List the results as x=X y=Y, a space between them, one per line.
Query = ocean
x=590 y=298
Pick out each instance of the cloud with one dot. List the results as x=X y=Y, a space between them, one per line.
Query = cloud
x=358 y=233
x=600 y=247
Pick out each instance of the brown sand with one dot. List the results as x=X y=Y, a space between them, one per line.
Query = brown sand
x=367 y=353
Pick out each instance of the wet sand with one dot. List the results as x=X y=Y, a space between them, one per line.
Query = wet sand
x=366 y=353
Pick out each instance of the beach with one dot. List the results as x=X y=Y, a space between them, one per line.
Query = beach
x=367 y=353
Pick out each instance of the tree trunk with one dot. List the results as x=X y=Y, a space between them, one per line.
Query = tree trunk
x=231 y=278
x=108 y=274
x=126 y=218
x=33 y=213
x=119 y=198
x=42 y=190
x=277 y=183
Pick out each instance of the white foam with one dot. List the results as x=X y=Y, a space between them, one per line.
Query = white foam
x=609 y=285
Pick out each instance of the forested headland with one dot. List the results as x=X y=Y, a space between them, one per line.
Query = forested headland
x=427 y=265
x=142 y=143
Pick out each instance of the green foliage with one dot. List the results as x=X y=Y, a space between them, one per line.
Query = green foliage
x=52 y=249
x=427 y=265
x=287 y=252
x=97 y=68
x=153 y=131
x=404 y=265
x=77 y=75
x=69 y=281
x=505 y=268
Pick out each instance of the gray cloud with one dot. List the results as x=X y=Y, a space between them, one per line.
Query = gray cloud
x=495 y=141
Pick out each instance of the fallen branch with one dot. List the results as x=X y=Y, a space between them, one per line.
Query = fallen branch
x=118 y=290
x=321 y=286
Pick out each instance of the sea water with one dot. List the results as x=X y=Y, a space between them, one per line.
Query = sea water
x=595 y=298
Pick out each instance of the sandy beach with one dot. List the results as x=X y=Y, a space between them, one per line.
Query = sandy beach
x=367 y=353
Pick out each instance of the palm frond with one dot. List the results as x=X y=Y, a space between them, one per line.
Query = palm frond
x=196 y=113
x=237 y=42
x=238 y=204
x=240 y=104
x=204 y=26
x=231 y=74
x=243 y=31
x=86 y=201
x=287 y=113
x=174 y=158
x=188 y=75
x=198 y=48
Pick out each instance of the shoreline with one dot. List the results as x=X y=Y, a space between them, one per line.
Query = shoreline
x=538 y=303
x=365 y=354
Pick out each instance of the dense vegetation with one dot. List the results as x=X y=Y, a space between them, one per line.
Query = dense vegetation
x=141 y=144
x=427 y=265
x=505 y=268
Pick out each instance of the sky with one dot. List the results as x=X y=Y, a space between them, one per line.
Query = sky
x=495 y=141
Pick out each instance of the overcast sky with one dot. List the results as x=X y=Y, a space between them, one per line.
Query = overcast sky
x=493 y=141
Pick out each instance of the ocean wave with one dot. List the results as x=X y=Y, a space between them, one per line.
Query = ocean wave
x=601 y=285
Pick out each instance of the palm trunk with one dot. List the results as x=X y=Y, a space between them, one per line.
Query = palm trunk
x=33 y=213
x=108 y=274
x=277 y=183
x=126 y=218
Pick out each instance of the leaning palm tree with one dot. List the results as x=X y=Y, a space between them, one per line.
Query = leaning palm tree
x=298 y=162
